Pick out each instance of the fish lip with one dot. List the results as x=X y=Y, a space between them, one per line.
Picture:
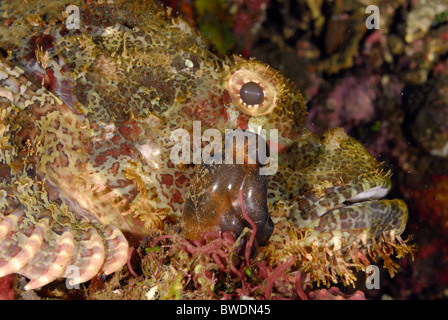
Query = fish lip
x=373 y=194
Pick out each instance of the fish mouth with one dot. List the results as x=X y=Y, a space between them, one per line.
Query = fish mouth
x=365 y=215
x=372 y=194
x=340 y=196
x=351 y=207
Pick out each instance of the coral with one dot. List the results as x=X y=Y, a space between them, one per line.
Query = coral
x=334 y=293
x=248 y=17
x=175 y=268
x=430 y=125
x=430 y=202
x=423 y=15
x=350 y=103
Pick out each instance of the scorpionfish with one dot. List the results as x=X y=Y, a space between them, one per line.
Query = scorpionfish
x=90 y=93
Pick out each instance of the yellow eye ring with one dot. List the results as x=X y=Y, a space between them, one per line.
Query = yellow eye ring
x=254 y=88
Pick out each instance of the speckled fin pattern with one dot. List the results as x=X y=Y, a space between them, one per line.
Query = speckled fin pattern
x=40 y=236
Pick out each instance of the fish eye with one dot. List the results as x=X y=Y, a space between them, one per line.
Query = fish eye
x=254 y=88
x=252 y=94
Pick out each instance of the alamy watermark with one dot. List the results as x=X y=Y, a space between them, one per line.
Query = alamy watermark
x=372 y=21
x=73 y=273
x=372 y=277
x=72 y=21
x=252 y=147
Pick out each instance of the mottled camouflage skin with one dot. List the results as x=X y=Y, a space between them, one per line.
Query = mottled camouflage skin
x=86 y=116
